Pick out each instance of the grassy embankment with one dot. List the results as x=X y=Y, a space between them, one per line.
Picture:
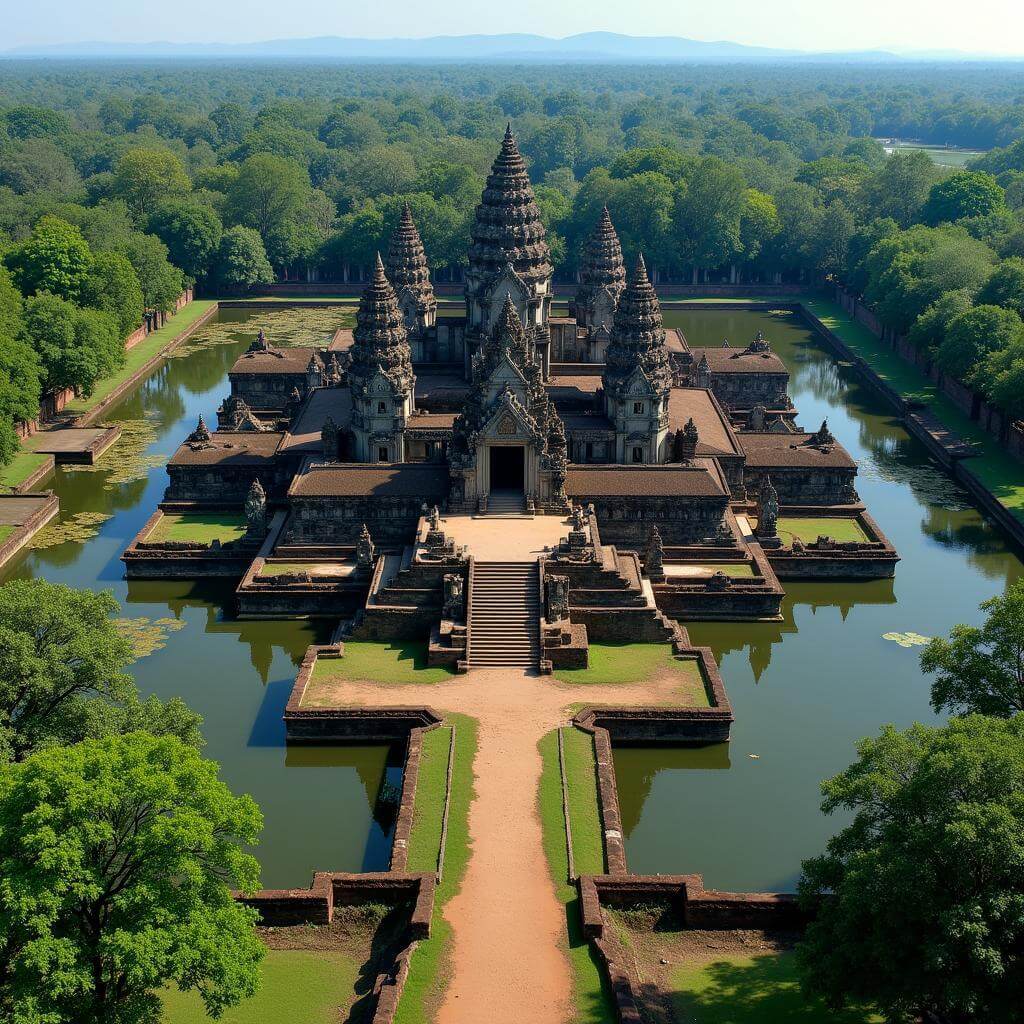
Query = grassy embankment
x=141 y=354
x=839 y=528
x=999 y=471
x=365 y=661
x=20 y=468
x=199 y=527
x=430 y=967
x=635 y=663
x=590 y=990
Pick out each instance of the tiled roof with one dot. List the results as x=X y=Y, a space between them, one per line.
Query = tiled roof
x=715 y=435
x=735 y=360
x=227 y=447
x=693 y=481
x=323 y=402
x=431 y=420
x=278 y=360
x=428 y=481
x=765 y=451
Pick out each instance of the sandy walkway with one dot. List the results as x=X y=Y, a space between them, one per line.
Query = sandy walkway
x=509 y=927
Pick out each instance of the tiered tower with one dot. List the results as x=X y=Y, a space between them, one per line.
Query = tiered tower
x=637 y=376
x=409 y=275
x=602 y=276
x=508 y=254
x=380 y=374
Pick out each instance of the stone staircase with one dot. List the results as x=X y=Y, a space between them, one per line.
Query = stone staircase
x=504 y=628
x=506 y=503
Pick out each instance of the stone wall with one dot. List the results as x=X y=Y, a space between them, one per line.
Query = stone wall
x=333 y=520
x=627 y=522
x=802 y=486
x=223 y=483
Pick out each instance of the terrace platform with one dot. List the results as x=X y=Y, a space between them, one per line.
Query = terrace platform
x=76 y=445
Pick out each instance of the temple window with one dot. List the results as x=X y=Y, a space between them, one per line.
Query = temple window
x=638 y=453
x=638 y=408
x=382 y=454
x=382 y=407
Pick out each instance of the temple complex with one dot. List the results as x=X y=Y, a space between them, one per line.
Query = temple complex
x=665 y=475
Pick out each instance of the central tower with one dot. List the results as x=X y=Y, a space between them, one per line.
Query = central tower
x=508 y=255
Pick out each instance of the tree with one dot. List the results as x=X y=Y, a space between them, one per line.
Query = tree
x=971 y=335
x=62 y=678
x=268 y=193
x=19 y=369
x=759 y=224
x=708 y=213
x=929 y=329
x=146 y=177
x=161 y=281
x=112 y=286
x=37 y=165
x=191 y=231
x=919 y=901
x=963 y=194
x=1006 y=286
x=56 y=259
x=117 y=855
x=242 y=260
x=900 y=189
x=67 y=355
x=981 y=668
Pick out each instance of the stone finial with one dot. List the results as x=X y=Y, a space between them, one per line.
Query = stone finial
x=686 y=441
x=556 y=598
x=756 y=418
x=767 y=511
x=434 y=518
x=823 y=436
x=759 y=344
x=256 y=511
x=314 y=372
x=654 y=559
x=330 y=439
x=702 y=374
x=201 y=435
x=454 y=588
x=365 y=550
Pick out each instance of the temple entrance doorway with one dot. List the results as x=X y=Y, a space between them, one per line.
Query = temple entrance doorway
x=508 y=463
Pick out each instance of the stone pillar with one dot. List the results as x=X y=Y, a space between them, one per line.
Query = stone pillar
x=256 y=512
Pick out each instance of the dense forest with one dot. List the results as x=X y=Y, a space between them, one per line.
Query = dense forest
x=121 y=183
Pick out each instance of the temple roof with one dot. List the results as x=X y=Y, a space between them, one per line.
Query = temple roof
x=277 y=360
x=700 y=479
x=507 y=228
x=767 y=451
x=426 y=480
x=638 y=335
x=715 y=435
x=407 y=262
x=227 y=447
x=380 y=338
x=738 y=360
x=305 y=432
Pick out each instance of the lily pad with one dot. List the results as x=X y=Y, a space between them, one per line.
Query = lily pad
x=908 y=639
x=149 y=635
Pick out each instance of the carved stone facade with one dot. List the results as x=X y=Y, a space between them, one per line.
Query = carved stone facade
x=409 y=275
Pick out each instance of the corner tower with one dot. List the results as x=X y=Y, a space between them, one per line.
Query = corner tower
x=602 y=276
x=508 y=254
x=409 y=275
x=637 y=376
x=380 y=374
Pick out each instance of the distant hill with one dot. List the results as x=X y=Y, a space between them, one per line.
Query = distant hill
x=587 y=46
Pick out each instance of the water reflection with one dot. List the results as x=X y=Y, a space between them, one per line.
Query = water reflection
x=327 y=812
x=807 y=688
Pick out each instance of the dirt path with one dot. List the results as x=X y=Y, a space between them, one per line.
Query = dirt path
x=509 y=927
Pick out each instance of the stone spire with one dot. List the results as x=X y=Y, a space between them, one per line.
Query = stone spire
x=507 y=228
x=602 y=275
x=407 y=270
x=638 y=336
x=201 y=435
x=380 y=339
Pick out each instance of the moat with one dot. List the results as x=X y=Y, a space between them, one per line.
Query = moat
x=804 y=689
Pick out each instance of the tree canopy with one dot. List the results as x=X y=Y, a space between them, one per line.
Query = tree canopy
x=919 y=901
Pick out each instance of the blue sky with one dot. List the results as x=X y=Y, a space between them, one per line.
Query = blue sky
x=995 y=26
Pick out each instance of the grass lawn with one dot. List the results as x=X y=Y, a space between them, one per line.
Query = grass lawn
x=20 y=468
x=591 y=991
x=5 y=532
x=430 y=968
x=142 y=353
x=366 y=661
x=428 y=810
x=199 y=527
x=742 y=989
x=839 y=528
x=634 y=663
x=584 y=813
x=305 y=986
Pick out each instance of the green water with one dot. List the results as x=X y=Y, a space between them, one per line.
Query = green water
x=806 y=689
x=319 y=803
